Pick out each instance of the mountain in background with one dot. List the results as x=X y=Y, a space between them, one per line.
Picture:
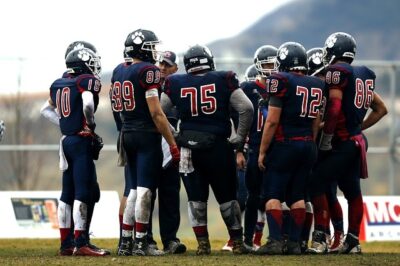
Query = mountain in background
x=375 y=24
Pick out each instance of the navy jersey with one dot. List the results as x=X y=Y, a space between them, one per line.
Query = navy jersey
x=301 y=98
x=357 y=84
x=129 y=85
x=203 y=100
x=255 y=91
x=66 y=93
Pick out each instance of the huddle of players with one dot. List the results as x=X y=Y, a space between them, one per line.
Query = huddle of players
x=280 y=157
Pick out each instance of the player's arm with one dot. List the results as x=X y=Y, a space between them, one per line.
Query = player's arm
x=241 y=104
x=270 y=126
x=48 y=111
x=334 y=106
x=379 y=110
x=88 y=108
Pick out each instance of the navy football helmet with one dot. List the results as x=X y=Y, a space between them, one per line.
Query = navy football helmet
x=251 y=73
x=339 y=45
x=141 y=44
x=198 y=58
x=291 y=56
x=80 y=44
x=83 y=61
x=315 y=61
x=265 y=54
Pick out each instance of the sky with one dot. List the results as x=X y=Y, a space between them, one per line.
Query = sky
x=35 y=34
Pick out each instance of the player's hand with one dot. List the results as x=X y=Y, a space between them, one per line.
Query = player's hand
x=97 y=145
x=240 y=160
x=176 y=156
x=261 y=159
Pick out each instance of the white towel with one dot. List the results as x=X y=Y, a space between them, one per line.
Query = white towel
x=186 y=164
x=166 y=153
x=63 y=164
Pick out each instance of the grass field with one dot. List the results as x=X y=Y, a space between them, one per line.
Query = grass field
x=44 y=252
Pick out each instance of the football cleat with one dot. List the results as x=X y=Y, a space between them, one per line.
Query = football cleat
x=272 y=247
x=66 y=251
x=257 y=239
x=175 y=247
x=238 y=247
x=125 y=248
x=304 y=246
x=292 y=248
x=318 y=243
x=351 y=245
x=228 y=246
x=92 y=246
x=337 y=242
x=204 y=247
x=142 y=248
x=87 y=251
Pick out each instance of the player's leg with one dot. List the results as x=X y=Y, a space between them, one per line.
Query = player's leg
x=351 y=187
x=79 y=151
x=336 y=215
x=149 y=160
x=253 y=184
x=169 y=210
x=219 y=165
x=64 y=213
x=127 y=189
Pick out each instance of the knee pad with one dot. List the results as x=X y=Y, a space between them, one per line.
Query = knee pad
x=197 y=213
x=231 y=214
x=143 y=205
x=80 y=215
x=309 y=207
x=64 y=215
x=129 y=211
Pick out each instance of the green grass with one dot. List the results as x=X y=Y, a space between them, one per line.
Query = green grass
x=44 y=252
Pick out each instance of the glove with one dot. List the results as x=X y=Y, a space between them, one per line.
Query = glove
x=97 y=145
x=325 y=143
x=175 y=154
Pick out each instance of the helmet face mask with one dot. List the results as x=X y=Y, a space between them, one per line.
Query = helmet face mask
x=198 y=58
x=265 y=60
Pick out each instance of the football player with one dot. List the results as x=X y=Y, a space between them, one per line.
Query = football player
x=342 y=146
x=288 y=149
x=203 y=98
x=264 y=62
x=71 y=106
x=170 y=182
x=138 y=85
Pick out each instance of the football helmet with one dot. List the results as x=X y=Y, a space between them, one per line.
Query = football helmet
x=141 y=44
x=83 y=61
x=265 y=54
x=80 y=44
x=314 y=61
x=198 y=58
x=339 y=45
x=251 y=73
x=291 y=56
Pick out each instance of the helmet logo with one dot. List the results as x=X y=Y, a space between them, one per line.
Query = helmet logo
x=79 y=46
x=84 y=55
x=283 y=53
x=330 y=42
x=316 y=58
x=137 y=37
